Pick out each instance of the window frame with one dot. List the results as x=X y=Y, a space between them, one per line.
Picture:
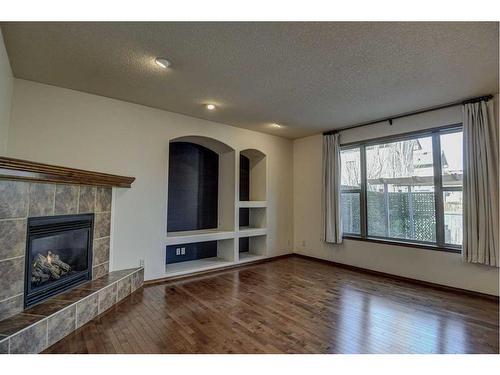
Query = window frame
x=359 y=190
x=439 y=189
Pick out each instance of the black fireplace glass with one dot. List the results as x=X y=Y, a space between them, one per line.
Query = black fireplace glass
x=64 y=253
x=59 y=250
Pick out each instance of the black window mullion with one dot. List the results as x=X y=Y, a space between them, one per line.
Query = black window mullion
x=362 y=197
x=356 y=191
x=438 y=188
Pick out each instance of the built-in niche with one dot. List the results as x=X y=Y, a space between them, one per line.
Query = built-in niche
x=216 y=213
x=252 y=175
x=252 y=194
x=193 y=176
x=252 y=218
x=252 y=205
x=193 y=256
x=201 y=198
x=252 y=247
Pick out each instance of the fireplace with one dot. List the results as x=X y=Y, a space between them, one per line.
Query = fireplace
x=58 y=254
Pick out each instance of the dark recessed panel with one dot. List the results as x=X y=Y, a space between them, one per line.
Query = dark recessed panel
x=244 y=244
x=244 y=178
x=244 y=217
x=191 y=251
x=244 y=190
x=193 y=182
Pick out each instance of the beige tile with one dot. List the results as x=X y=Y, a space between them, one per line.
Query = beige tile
x=75 y=295
x=13 y=199
x=100 y=270
x=41 y=199
x=137 y=279
x=66 y=200
x=11 y=306
x=107 y=298
x=17 y=323
x=86 y=201
x=30 y=341
x=61 y=324
x=48 y=307
x=101 y=251
x=103 y=199
x=12 y=238
x=123 y=288
x=87 y=309
x=12 y=278
x=102 y=225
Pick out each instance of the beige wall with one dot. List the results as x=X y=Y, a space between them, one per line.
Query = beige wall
x=434 y=266
x=65 y=127
x=6 y=82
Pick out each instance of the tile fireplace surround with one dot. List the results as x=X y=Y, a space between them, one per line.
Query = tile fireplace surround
x=34 y=329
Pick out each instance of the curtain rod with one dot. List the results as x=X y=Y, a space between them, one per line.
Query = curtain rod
x=391 y=118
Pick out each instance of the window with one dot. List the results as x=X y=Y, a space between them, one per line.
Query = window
x=405 y=189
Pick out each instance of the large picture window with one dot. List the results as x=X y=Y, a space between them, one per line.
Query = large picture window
x=405 y=189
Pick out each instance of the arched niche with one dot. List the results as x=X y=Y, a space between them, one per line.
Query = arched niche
x=201 y=178
x=207 y=142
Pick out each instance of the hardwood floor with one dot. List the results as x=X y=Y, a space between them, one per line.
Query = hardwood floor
x=291 y=305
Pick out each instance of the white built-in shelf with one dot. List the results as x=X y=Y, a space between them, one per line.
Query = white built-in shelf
x=250 y=232
x=198 y=265
x=253 y=204
x=249 y=257
x=179 y=238
x=228 y=215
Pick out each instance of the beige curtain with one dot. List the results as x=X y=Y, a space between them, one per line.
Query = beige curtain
x=331 y=189
x=481 y=179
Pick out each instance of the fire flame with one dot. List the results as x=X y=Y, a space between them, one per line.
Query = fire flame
x=49 y=257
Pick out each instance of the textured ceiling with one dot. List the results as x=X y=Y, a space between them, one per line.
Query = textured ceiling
x=309 y=77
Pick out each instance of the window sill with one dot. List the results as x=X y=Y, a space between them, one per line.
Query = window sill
x=405 y=244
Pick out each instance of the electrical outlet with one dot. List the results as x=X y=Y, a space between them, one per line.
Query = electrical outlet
x=178 y=251
x=183 y=251
x=141 y=262
x=304 y=243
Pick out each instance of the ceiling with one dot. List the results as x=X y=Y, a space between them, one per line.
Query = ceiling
x=307 y=76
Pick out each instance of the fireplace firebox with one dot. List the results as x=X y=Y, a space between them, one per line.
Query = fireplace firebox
x=58 y=254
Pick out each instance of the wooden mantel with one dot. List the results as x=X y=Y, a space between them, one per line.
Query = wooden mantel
x=16 y=169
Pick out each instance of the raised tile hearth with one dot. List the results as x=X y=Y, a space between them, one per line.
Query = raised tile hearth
x=41 y=326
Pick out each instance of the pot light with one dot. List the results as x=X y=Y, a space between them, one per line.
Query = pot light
x=164 y=63
x=210 y=107
x=277 y=126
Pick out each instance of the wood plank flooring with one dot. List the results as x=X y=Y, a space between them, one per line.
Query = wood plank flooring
x=291 y=305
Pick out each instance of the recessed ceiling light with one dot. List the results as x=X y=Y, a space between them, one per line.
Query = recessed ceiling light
x=164 y=63
x=275 y=125
x=210 y=107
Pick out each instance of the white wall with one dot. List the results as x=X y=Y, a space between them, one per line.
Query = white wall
x=6 y=83
x=428 y=265
x=70 y=128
